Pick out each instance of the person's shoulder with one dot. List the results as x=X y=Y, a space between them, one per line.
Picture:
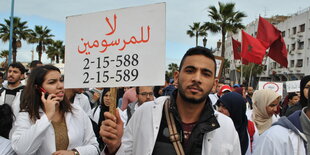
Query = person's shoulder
x=276 y=133
x=76 y=109
x=157 y=103
x=5 y=147
x=223 y=119
x=4 y=141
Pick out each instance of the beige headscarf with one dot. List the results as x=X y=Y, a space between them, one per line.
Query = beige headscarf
x=261 y=99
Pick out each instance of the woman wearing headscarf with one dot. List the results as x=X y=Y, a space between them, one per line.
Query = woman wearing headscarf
x=304 y=86
x=289 y=135
x=97 y=114
x=265 y=104
x=234 y=106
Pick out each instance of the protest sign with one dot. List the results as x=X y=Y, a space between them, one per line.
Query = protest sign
x=116 y=48
x=219 y=66
x=276 y=86
x=293 y=86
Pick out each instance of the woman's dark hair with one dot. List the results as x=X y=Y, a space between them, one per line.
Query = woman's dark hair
x=308 y=98
x=31 y=97
x=103 y=109
x=6 y=120
x=303 y=100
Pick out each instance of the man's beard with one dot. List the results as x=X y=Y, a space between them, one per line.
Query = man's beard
x=192 y=100
x=12 y=83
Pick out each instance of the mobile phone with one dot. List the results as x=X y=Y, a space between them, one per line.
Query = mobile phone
x=45 y=92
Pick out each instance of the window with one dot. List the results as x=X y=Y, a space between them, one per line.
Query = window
x=283 y=33
x=274 y=65
x=294 y=30
x=302 y=28
x=293 y=47
x=289 y=32
x=300 y=45
x=299 y=63
x=292 y=63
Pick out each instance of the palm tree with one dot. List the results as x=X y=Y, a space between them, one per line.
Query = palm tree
x=196 y=30
x=173 y=67
x=4 y=54
x=54 y=50
x=62 y=54
x=251 y=71
x=41 y=36
x=224 y=20
x=20 y=32
x=51 y=53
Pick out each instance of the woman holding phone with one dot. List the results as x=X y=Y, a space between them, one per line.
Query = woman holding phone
x=48 y=123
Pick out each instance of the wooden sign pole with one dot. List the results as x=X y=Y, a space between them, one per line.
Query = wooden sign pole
x=112 y=106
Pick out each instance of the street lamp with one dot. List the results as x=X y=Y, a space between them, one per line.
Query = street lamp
x=11 y=32
x=204 y=41
x=218 y=44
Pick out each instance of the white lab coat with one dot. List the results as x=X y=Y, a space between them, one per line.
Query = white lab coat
x=278 y=140
x=16 y=102
x=15 y=107
x=39 y=138
x=5 y=147
x=141 y=132
x=83 y=102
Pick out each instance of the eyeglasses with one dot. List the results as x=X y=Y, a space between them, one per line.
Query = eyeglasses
x=146 y=94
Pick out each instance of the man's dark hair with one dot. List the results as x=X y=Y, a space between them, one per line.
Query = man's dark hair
x=137 y=90
x=199 y=51
x=34 y=63
x=18 y=65
x=291 y=95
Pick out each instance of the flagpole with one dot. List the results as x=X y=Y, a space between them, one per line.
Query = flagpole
x=235 y=72
x=264 y=65
x=241 y=77
x=249 y=83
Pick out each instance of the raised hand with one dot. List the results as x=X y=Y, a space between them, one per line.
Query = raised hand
x=111 y=131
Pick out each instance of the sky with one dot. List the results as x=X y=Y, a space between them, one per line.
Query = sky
x=179 y=15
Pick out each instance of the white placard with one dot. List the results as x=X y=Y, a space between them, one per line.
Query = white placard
x=116 y=48
x=293 y=86
x=276 y=86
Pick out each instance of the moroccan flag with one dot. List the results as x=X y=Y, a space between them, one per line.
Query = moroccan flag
x=237 y=51
x=278 y=52
x=252 y=49
x=236 y=48
x=267 y=32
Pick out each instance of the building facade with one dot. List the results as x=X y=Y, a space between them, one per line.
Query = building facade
x=296 y=33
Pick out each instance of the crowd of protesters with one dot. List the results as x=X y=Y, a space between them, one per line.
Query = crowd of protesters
x=193 y=113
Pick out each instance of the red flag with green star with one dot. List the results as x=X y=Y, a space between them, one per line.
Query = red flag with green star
x=237 y=50
x=252 y=49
